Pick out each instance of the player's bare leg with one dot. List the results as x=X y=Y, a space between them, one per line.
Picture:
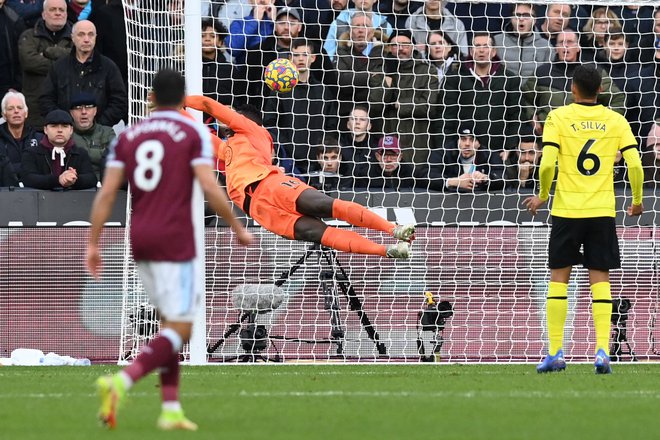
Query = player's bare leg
x=162 y=352
x=317 y=204
x=172 y=416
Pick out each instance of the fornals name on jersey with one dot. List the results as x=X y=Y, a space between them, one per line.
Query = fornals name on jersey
x=170 y=127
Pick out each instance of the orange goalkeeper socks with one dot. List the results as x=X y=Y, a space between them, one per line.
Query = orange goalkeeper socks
x=349 y=241
x=358 y=215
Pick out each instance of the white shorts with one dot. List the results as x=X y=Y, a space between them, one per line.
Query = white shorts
x=173 y=288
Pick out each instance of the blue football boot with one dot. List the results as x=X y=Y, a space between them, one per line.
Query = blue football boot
x=552 y=363
x=602 y=363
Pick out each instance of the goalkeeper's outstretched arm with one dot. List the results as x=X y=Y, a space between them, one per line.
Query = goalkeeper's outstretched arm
x=221 y=112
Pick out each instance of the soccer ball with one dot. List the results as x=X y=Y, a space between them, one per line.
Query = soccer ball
x=281 y=75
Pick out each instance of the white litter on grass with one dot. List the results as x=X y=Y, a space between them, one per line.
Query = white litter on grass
x=34 y=357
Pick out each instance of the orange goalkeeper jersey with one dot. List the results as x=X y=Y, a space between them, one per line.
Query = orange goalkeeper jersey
x=248 y=154
x=216 y=142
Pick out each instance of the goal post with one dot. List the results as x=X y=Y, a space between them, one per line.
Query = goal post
x=482 y=258
x=193 y=74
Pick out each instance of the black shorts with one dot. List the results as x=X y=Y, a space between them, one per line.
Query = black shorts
x=598 y=235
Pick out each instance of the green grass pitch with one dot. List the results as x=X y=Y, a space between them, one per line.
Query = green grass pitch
x=345 y=402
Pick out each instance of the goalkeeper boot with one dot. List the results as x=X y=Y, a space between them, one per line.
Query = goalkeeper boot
x=401 y=250
x=172 y=420
x=404 y=232
x=552 y=363
x=111 y=390
x=602 y=363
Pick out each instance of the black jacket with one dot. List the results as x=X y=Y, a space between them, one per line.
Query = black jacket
x=37 y=171
x=220 y=81
x=11 y=27
x=257 y=59
x=626 y=75
x=512 y=181
x=99 y=76
x=494 y=106
x=111 y=33
x=486 y=162
x=38 y=50
x=14 y=148
x=400 y=179
x=7 y=175
x=356 y=157
x=328 y=182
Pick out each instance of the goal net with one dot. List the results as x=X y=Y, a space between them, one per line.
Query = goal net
x=466 y=78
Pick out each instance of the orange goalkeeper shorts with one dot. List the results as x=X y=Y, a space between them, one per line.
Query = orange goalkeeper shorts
x=273 y=204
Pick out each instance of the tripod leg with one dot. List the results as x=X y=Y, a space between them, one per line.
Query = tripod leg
x=356 y=305
x=288 y=273
x=624 y=338
x=331 y=304
x=233 y=328
x=330 y=256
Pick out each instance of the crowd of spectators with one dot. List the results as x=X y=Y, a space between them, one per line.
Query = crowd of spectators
x=392 y=94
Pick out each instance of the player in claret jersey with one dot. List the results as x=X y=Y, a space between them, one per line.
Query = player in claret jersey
x=584 y=138
x=161 y=158
x=286 y=205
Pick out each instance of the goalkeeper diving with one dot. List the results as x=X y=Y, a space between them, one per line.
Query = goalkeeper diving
x=286 y=205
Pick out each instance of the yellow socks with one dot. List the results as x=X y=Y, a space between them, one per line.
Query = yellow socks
x=556 y=309
x=601 y=309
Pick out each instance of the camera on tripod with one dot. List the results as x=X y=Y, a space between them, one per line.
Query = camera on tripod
x=253 y=299
x=620 y=311
x=432 y=318
x=145 y=320
x=254 y=338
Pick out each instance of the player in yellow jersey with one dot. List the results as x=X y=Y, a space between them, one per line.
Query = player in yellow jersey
x=584 y=138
